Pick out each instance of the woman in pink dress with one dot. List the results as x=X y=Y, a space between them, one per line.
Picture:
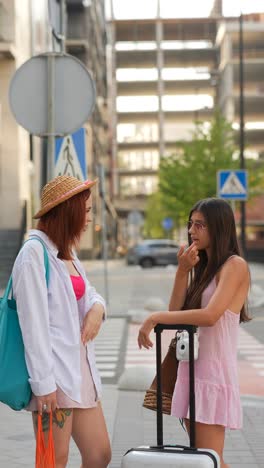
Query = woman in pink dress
x=210 y=291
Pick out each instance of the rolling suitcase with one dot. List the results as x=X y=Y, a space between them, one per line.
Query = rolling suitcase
x=172 y=456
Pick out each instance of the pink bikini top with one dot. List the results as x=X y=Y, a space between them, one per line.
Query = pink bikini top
x=78 y=285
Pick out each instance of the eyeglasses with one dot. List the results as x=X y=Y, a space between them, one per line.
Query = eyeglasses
x=199 y=226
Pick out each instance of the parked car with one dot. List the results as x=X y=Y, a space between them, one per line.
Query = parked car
x=149 y=253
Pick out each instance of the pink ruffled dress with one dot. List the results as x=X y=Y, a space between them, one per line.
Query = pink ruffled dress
x=88 y=390
x=217 y=397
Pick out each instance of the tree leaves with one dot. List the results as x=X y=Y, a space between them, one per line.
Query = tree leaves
x=190 y=173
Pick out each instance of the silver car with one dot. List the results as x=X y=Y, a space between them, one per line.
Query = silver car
x=149 y=253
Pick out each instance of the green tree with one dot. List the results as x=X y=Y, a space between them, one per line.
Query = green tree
x=189 y=174
x=154 y=216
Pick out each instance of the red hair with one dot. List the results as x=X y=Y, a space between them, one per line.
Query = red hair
x=64 y=223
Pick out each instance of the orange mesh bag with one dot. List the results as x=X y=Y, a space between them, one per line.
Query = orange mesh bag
x=45 y=454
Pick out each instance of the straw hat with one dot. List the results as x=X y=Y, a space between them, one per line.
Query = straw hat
x=59 y=190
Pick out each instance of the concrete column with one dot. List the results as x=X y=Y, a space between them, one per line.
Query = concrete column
x=160 y=90
x=226 y=100
x=11 y=155
x=113 y=111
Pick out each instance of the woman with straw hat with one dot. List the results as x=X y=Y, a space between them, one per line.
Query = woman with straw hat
x=59 y=323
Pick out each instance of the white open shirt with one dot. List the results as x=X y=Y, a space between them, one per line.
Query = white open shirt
x=49 y=319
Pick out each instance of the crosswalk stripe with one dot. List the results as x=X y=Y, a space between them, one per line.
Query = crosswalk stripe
x=252 y=351
x=107 y=347
x=107 y=358
x=106 y=366
x=143 y=357
x=255 y=358
x=106 y=374
x=111 y=347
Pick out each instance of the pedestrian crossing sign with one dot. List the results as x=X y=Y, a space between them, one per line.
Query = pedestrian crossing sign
x=232 y=185
x=70 y=155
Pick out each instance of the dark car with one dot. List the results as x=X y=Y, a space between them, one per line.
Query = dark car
x=149 y=253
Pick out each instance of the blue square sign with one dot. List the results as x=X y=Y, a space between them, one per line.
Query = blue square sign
x=232 y=185
x=70 y=155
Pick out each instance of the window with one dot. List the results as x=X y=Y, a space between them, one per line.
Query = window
x=158 y=246
x=138 y=185
x=137 y=103
x=138 y=160
x=128 y=133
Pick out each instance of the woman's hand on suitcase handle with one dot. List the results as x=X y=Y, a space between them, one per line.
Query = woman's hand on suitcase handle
x=144 y=332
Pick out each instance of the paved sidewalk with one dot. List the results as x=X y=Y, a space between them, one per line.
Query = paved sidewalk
x=17 y=444
x=130 y=425
x=136 y=426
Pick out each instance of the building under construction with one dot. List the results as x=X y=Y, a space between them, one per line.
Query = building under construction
x=168 y=73
x=86 y=40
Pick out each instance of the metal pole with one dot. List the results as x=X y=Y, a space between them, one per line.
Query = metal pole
x=242 y=130
x=51 y=89
x=51 y=116
x=192 y=388
x=62 y=25
x=159 y=388
x=104 y=235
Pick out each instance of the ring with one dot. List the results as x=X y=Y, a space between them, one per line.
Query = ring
x=44 y=407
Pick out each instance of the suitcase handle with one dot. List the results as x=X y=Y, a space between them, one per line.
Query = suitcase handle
x=191 y=330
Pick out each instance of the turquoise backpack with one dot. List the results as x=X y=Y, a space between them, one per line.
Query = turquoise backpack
x=15 y=390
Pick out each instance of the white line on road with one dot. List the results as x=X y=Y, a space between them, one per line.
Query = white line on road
x=105 y=366
x=255 y=357
x=107 y=358
x=107 y=374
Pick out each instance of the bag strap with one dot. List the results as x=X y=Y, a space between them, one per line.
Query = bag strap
x=46 y=263
x=45 y=454
x=46 y=257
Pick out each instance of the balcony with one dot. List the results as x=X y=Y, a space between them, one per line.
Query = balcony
x=145 y=88
x=7 y=34
x=172 y=58
x=170 y=116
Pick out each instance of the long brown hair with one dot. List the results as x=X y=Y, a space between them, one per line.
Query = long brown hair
x=65 y=222
x=221 y=226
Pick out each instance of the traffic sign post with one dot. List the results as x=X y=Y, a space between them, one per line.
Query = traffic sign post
x=101 y=174
x=70 y=155
x=58 y=109
x=51 y=115
x=167 y=224
x=59 y=88
x=232 y=185
x=73 y=95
